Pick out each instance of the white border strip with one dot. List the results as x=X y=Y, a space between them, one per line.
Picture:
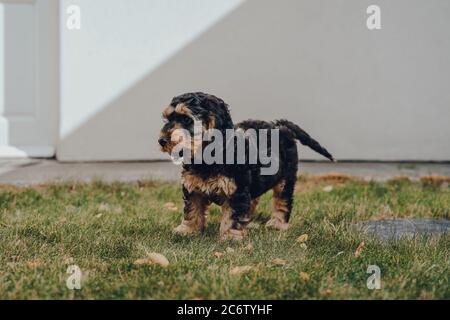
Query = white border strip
x=8 y=152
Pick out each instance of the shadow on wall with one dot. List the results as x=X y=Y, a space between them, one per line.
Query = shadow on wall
x=238 y=59
x=319 y=68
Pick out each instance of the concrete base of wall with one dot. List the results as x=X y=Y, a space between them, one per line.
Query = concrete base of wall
x=32 y=172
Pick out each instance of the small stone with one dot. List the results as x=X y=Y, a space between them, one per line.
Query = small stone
x=328 y=189
x=389 y=229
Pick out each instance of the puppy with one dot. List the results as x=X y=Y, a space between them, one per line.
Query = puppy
x=235 y=187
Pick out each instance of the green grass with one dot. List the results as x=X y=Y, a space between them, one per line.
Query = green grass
x=105 y=228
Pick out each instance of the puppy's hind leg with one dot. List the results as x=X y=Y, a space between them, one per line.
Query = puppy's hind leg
x=194 y=219
x=282 y=204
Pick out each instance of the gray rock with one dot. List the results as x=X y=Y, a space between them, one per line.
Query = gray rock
x=386 y=230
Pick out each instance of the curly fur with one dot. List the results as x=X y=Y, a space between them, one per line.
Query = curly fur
x=234 y=187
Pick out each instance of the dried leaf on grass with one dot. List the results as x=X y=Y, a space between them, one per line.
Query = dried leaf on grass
x=279 y=262
x=304 y=276
x=249 y=247
x=35 y=263
x=230 y=250
x=102 y=207
x=153 y=258
x=303 y=238
x=170 y=206
x=360 y=249
x=435 y=180
x=253 y=225
x=240 y=270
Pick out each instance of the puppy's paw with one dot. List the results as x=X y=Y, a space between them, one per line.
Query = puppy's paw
x=185 y=230
x=233 y=234
x=277 y=224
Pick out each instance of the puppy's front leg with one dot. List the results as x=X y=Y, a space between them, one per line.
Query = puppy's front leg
x=235 y=216
x=194 y=218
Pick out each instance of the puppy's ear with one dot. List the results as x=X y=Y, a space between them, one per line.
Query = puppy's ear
x=218 y=116
x=168 y=111
x=211 y=121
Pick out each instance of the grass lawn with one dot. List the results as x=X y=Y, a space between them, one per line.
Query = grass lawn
x=105 y=228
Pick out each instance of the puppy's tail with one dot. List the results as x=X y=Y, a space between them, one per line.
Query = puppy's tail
x=304 y=138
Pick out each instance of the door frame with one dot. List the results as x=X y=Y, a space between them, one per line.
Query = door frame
x=46 y=86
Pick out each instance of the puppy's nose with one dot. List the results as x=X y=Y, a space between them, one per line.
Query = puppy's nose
x=163 y=142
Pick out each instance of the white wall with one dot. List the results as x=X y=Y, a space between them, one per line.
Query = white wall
x=364 y=94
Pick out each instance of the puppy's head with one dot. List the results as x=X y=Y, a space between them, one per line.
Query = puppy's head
x=189 y=114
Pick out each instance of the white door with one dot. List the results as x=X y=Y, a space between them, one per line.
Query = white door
x=28 y=77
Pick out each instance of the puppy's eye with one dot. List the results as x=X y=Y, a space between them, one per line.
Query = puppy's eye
x=186 y=121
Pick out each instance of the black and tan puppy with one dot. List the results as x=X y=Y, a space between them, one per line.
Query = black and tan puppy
x=234 y=187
